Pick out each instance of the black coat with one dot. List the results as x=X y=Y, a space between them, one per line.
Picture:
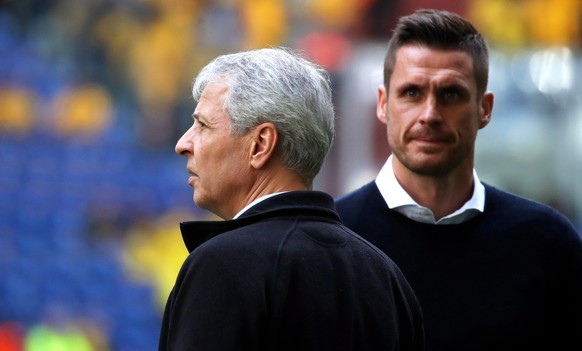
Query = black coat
x=287 y=275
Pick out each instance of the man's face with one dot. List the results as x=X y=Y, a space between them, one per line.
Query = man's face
x=432 y=111
x=217 y=160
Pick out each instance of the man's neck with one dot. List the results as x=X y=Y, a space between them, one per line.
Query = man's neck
x=441 y=194
x=267 y=183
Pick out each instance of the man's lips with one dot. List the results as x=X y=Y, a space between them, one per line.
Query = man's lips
x=430 y=141
x=433 y=138
x=192 y=177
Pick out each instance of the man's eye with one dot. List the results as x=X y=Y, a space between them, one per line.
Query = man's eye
x=411 y=92
x=199 y=123
x=451 y=94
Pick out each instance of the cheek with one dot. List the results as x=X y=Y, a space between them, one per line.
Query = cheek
x=230 y=159
x=470 y=124
x=394 y=134
x=398 y=120
x=198 y=151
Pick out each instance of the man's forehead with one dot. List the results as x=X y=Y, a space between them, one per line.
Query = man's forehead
x=214 y=89
x=210 y=107
x=424 y=60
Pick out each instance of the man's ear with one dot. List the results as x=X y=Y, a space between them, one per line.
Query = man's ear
x=381 y=104
x=263 y=143
x=486 y=109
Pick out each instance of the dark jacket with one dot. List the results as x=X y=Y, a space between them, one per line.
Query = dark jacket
x=287 y=275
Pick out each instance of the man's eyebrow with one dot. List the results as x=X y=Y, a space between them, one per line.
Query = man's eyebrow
x=406 y=86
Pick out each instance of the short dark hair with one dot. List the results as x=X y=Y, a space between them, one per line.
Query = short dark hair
x=442 y=30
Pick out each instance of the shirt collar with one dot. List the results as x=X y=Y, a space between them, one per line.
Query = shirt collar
x=256 y=201
x=398 y=199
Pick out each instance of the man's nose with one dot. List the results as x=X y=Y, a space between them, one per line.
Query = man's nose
x=184 y=144
x=430 y=112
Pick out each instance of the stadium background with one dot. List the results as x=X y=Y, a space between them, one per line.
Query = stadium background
x=94 y=94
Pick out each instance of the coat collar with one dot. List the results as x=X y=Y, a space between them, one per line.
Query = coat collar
x=314 y=204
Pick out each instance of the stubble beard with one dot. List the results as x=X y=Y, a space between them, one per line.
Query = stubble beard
x=431 y=164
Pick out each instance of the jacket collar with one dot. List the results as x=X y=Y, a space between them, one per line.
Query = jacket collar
x=304 y=203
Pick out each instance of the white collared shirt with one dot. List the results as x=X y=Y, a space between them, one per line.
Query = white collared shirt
x=399 y=200
x=262 y=198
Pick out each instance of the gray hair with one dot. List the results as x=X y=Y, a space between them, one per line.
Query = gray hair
x=279 y=86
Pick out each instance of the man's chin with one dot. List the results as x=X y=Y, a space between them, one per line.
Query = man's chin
x=198 y=200
x=430 y=166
